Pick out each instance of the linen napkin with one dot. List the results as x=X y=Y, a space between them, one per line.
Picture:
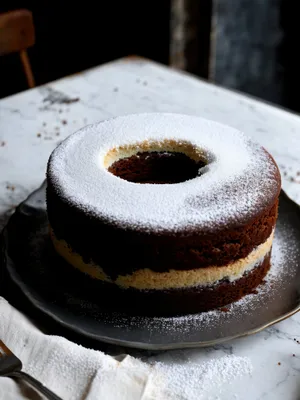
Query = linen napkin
x=71 y=371
x=74 y=372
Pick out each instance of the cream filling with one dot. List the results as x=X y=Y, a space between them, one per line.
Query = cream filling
x=148 y=279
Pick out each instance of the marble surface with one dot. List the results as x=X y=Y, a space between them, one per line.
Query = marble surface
x=32 y=123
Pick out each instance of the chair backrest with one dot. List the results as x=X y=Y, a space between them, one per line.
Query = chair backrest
x=16 y=31
x=17 y=34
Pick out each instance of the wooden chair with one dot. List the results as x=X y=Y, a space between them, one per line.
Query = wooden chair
x=17 y=34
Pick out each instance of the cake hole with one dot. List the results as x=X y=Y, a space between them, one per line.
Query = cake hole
x=157 y=161
x=157 y=167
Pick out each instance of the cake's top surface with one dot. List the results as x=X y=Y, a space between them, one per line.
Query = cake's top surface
x=238 y=182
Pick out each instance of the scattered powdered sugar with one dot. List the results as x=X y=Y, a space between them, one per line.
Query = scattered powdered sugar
x=190 y=381
x=238 y=181
x=76 y=372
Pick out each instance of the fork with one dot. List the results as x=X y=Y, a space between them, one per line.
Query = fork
x=11 y=366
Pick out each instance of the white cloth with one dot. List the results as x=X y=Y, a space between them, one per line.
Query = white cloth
x=71 y=371
x=74 y=372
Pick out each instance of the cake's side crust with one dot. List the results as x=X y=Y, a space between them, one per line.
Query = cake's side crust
x=148 y=279
x=99 y=242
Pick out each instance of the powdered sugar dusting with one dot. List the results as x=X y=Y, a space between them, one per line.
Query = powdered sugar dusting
x=192 y=381
x=239 y=180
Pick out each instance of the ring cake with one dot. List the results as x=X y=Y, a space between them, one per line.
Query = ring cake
x=168 y=213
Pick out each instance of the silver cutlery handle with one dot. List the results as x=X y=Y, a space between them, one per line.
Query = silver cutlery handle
x=36 y=384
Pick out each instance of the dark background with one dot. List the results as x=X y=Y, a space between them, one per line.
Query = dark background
x=248 y=45
x=71 y=37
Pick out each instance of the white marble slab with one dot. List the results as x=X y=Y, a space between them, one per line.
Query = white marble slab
x=31 y=126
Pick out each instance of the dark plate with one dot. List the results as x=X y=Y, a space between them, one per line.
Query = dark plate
x=31 y=269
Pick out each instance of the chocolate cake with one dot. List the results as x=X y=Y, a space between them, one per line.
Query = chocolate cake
x=169 y=213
